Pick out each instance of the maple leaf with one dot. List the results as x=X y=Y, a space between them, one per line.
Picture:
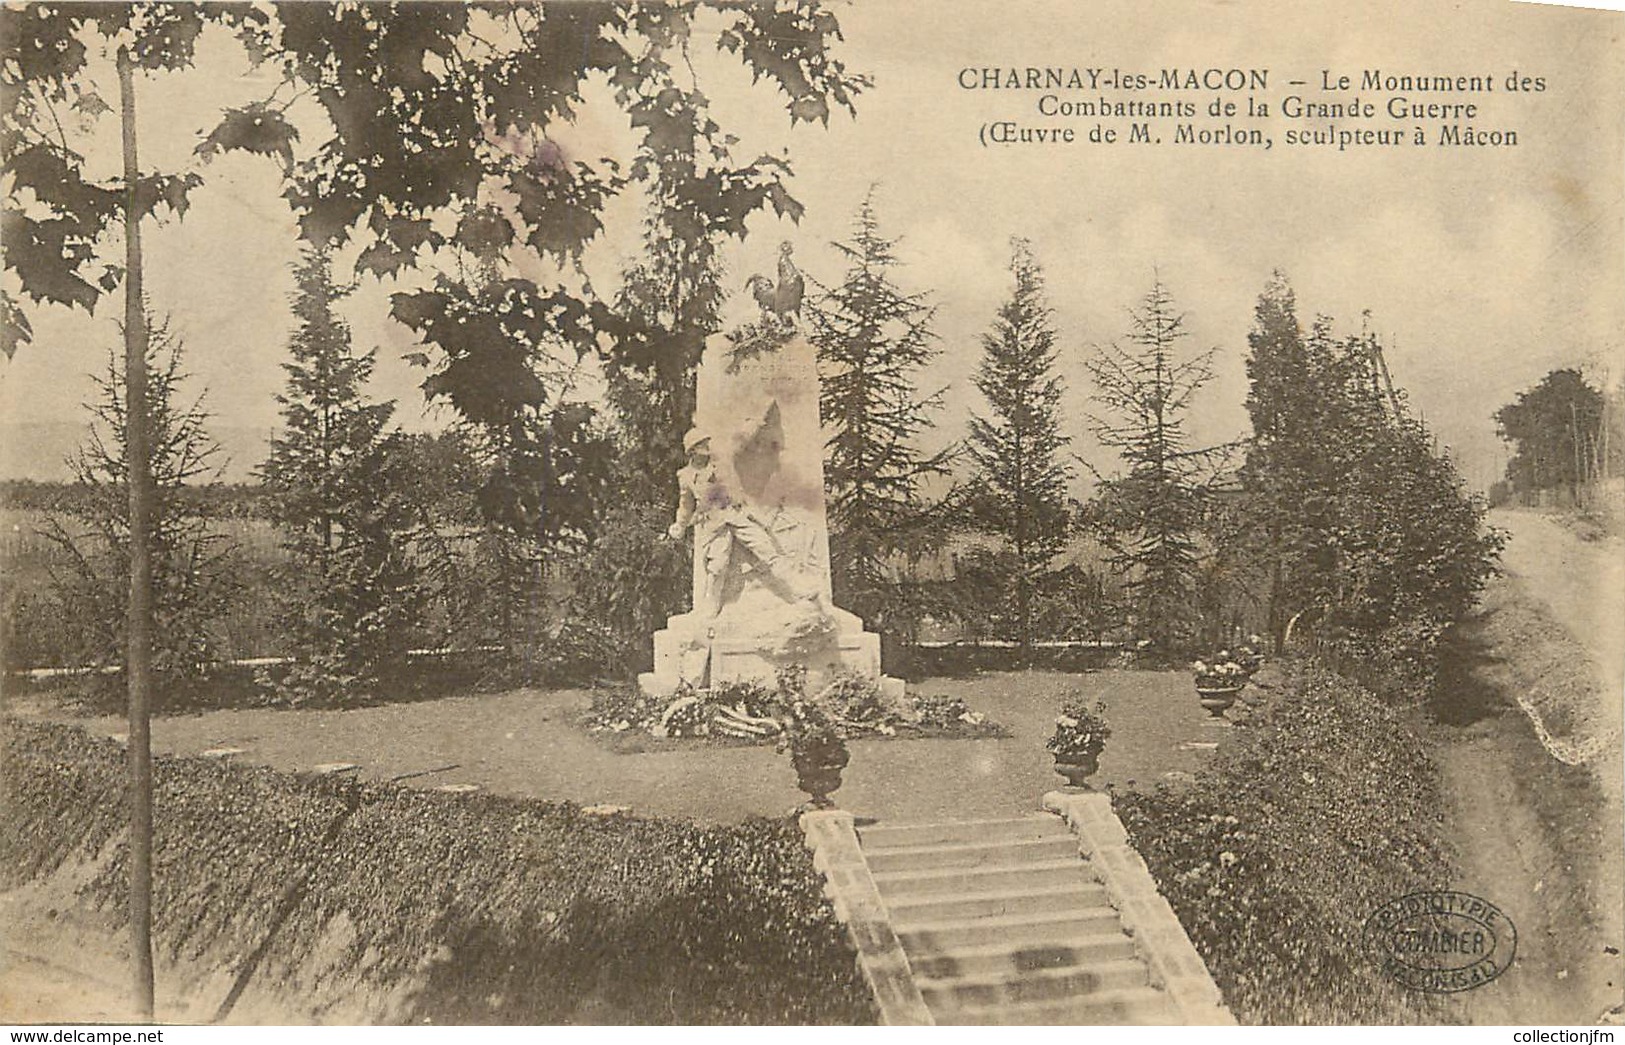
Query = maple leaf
x=255 y=128
x=90 y=103
x=14 y=326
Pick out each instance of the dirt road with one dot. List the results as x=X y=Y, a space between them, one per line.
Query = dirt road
x=1530 y=750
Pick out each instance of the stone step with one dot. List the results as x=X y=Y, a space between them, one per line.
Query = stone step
x=976 y=854
x=1032 y=985
x=1021 y=955
x=959 y=881
x=963 y=832
x=1128 y=1006
x=922 y=934
x=907 y=911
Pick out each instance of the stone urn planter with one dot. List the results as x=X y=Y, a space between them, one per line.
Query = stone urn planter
x=817 y=749
x=1218 y=699
x=1077 y=768
x=1219 y=682
x=818 y=772
x=1080 y=735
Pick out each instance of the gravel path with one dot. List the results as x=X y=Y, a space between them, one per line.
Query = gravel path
x=1540 y=836
x=529 y=742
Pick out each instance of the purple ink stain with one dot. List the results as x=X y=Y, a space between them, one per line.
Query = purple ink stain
x=538 y=153
x=549 y=156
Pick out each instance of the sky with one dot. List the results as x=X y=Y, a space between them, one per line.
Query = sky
x=1481 y=268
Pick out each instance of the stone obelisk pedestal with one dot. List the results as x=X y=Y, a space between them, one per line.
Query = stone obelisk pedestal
x=762 y=596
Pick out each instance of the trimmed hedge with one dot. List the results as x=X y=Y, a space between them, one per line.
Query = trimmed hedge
x=1322 y=806
x=230 y=687
x=494 y=910
x=958 y=660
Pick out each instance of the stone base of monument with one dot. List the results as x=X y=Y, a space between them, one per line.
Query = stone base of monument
x=691 y=649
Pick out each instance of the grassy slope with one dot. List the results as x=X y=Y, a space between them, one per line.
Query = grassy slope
x=397 y=905
x=1319 y=808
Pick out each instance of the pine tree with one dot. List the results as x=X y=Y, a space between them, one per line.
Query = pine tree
x=352 y=594
x=1154 y=513
x=872 y=339
x=191 y=564
x=1294 y=403
x=1019 y=488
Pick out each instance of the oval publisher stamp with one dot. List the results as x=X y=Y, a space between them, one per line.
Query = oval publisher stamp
x=1441 y=941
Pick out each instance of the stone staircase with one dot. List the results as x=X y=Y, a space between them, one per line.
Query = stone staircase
x=1002 y=922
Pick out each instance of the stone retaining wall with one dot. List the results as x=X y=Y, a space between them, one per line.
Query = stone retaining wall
x=833 y=839
x=1161 y=940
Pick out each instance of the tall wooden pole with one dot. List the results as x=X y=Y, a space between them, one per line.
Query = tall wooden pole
x=1574 y=441
x=139 y=623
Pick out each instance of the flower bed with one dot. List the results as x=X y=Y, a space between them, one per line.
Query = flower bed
x=494 y=910
x=1323 y=808
x=749 y=713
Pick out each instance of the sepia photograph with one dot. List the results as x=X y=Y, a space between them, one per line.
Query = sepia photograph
x=812 y=512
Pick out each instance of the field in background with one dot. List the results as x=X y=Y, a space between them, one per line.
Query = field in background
x=36 y=626
x=34 y=621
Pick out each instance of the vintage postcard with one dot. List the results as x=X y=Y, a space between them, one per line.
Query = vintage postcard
x=816 y=512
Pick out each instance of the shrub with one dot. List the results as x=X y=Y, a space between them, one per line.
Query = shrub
x=1400 y=662
x=1358 y=527
x=565 y=652
x=1324 y=808
x=957 y=660
x=858 y=702
x=33 y=627
x=629 y=581
x=494 y=910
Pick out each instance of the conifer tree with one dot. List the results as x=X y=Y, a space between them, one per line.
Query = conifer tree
x=1295 y=400
x=1019 y=487
x=191 y=575
x=1154 y=513
x=872 y=340
x=351 y=595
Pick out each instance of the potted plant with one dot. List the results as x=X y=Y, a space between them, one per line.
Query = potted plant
x=1079 y=738
x=1218 y=682
x=817 y=749
x=1250 y=655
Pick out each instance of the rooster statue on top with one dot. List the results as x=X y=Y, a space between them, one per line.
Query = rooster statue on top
x=780 y=302
x=781 y=308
